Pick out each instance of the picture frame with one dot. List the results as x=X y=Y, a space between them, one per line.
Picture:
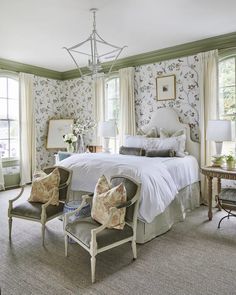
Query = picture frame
x=166 y=87
x=56 y=129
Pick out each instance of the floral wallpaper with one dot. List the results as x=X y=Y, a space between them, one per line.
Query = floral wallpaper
x=186 y=103
x=56 y=99
x=73 y=99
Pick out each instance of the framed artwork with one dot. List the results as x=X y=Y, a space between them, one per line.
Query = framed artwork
x=166 y=87
x=56 y=130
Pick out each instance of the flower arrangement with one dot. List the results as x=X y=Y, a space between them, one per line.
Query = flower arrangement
x=218 y=161
x=82 y=126
x=69 y=138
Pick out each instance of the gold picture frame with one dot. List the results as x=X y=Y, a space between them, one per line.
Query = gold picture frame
x=166 y=87
x=56 y=129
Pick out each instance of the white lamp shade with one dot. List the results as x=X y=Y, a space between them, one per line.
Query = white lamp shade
x=219 y=130
x=107 y=129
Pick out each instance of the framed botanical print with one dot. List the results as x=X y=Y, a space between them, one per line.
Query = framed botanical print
x=166 y=87
x=56 y=129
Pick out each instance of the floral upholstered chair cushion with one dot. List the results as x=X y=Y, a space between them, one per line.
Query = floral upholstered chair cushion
x=106 y=197
x=45 y=186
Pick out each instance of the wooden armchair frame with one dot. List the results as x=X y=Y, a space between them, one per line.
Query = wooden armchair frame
x=93 y=249
x=43 y=219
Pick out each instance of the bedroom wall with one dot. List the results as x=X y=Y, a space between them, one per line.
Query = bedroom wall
x=186 y=103
x=56 y=99
x=73 y=98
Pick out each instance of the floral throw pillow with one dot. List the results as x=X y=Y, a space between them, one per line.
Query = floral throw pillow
x=45 y=186
x=106 y=197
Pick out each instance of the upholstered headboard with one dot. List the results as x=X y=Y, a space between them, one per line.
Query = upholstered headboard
x=167 y=118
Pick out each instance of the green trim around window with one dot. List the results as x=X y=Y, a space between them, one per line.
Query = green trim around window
x=222 y=43
x=227 y=53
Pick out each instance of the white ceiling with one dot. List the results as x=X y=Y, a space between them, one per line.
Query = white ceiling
x=34 y=31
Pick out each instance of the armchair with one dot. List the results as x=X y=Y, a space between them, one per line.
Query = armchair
x=39 y=212
x=96 y=238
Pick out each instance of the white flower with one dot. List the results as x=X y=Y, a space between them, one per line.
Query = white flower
x=69 y=138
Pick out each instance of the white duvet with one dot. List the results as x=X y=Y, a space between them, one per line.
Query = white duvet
x=158 y=189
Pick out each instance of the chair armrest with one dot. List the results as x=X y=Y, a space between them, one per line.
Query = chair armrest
x=124 y=205
x=45 y=205
x=128 y=203
x=103 y=226
x=111 y=212
x=18 y=196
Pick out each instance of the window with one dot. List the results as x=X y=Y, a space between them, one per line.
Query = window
x=9 y=117
x=227 y=96
x=112 y=106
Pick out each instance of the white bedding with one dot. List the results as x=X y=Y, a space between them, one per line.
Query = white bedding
x=161 y=178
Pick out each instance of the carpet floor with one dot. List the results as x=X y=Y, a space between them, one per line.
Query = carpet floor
x=194 y=257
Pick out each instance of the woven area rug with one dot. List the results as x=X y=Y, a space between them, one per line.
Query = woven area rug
x=194 y=257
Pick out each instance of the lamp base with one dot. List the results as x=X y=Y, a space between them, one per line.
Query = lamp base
x=218 y=148
x=106 y=148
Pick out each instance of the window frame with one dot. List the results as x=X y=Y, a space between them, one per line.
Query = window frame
x=13 y=76
x=223 y=56
x=111 y=77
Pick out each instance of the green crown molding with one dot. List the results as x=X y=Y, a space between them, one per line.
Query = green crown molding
x=223 y=43
x=20 y=67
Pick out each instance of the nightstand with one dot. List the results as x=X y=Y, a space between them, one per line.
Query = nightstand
x=95 y=148
x=220 y=173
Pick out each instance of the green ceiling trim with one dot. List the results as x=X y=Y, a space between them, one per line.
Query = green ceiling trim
x=222 y=43
x=20 y=67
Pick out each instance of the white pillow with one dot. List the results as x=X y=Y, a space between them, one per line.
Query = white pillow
x=172 y=143
x=153 y=132
x=164 y=133
x=137 y=141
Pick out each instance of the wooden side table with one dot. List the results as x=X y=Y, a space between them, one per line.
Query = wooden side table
x=220 y=173
x=95 y=148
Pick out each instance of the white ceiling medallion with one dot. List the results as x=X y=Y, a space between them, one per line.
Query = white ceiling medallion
x=97 y=50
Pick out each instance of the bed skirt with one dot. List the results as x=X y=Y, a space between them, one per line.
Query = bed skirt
x=186 y=200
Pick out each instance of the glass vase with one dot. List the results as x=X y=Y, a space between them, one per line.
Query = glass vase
x=70 y=148
x=81 y=148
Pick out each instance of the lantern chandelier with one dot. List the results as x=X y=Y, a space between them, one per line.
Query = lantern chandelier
x=95 y=43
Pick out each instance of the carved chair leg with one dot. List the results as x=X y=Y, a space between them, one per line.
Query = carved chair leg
x=66 y=245
x=93 y=265
x=10 y=226
x=43 y=233
x=134 y=248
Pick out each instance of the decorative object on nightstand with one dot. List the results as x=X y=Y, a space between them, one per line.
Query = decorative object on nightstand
x=219 y=131
x=81 y=127
x=69 y=139
x=107 y=129
x=230 y=162
x=217 y=161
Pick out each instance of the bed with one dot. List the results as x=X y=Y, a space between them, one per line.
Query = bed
x=170 y=186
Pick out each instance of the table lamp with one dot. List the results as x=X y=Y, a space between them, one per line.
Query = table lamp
x=106 y=130
x=219 y=131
